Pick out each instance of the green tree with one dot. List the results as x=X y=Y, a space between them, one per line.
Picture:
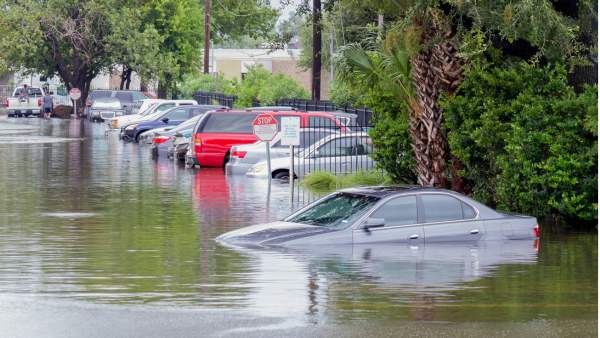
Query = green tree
x=69 y=38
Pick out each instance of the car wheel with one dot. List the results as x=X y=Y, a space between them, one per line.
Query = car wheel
x=282 y=175
x=226 y=160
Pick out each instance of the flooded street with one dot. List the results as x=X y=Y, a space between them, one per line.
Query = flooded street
x=98 y=239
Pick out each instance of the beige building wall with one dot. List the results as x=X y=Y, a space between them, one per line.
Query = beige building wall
x=232 y=62
x=231 y=69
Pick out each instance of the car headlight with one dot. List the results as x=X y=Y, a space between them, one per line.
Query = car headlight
x=131 y=126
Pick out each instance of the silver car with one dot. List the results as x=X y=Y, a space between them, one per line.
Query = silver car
x=104 y=109
x=243 y=157
x=338 y=153
x=388 y=215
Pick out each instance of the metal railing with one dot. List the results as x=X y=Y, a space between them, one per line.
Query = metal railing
x=215 y=98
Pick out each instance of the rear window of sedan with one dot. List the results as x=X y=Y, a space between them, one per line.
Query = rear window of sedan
x=228 y=123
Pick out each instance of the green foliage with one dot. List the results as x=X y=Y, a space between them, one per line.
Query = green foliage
x=193 y=83
x=266 y=87
x=529 y=143
x=325 y=181
x=380 y=79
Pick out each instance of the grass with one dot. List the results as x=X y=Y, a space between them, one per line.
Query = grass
x=324 y=181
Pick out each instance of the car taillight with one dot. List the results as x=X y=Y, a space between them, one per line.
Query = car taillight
x=238 y=154
x=39 y=102
x=160 y=139
x=197 y=141
x=536 y=231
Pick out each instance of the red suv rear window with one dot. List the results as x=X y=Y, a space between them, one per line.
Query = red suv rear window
x=228 y=123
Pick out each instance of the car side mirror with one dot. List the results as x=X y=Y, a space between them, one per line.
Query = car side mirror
x=373 y=223
x=165 y=120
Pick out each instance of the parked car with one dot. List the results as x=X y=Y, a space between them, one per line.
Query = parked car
x=171 y=117
x=389 y=215
x=149 y=114
x=180 y=143
x=141 y=105
x=25 y=105
x=243 y=157
x=338 y=153
x=126 y=97
x=216 y=133
x=163 y=133
x=105 y=109
x=163 y=140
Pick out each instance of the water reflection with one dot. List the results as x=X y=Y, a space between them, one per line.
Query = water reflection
x=363 y=278
x=100 y=221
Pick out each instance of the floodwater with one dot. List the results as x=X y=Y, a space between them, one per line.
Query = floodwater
x=98 y=240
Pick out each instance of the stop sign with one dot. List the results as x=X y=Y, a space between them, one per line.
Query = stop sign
x=265 y=127
x=75 y=94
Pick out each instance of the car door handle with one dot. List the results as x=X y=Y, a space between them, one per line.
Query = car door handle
x=413 y=236
x=474 y=231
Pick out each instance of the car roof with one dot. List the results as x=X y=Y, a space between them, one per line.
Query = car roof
x=389 y=190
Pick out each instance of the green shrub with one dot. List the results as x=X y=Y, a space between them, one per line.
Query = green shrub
x=528 y=141
x=325 y=181
x=393 y=152
x=266 y=87
x=193 y=83
x=319 y=181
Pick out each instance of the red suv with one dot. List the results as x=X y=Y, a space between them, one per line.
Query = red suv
x=217 y=132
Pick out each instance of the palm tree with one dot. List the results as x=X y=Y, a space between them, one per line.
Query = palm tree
x=416 y=74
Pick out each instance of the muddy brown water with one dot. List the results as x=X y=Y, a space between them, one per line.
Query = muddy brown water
x=92 y=226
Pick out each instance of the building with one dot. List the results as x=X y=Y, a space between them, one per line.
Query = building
x=234 y=63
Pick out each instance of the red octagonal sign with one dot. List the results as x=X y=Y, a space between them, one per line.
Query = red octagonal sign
x=265 y=127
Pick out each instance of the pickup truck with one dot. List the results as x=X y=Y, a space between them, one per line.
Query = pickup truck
x=26 y=105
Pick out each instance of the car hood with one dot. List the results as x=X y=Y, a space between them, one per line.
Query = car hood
x=275 y=233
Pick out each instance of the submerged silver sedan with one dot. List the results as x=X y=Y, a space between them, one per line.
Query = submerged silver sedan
x=388 y=214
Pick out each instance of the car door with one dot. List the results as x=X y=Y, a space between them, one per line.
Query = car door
x=449 y=219
x=330 y=156
x=360 y=150
x=401 y=224
x=175 y=116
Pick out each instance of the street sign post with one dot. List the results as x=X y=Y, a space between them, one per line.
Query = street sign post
x=265 y=129
x=75 y=94
x=290 y=136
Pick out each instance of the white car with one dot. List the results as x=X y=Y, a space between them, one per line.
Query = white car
x=337 y=153
x=243 y=157
x=159 y=107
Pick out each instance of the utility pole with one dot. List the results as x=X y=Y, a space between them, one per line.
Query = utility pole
x=207 y=6
x=316 y=57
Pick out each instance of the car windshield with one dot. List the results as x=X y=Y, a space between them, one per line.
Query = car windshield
x=335 y=212
x=106 y=104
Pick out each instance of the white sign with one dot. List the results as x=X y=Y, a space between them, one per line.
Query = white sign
x=290 y=131
x=75 y=94
x=265 y=127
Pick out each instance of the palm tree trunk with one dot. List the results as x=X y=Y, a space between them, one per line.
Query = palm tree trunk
x=435 y=69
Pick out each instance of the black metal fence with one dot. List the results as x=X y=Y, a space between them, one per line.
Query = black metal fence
x=364 y=114
x=333 y=149
x=215 y=98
